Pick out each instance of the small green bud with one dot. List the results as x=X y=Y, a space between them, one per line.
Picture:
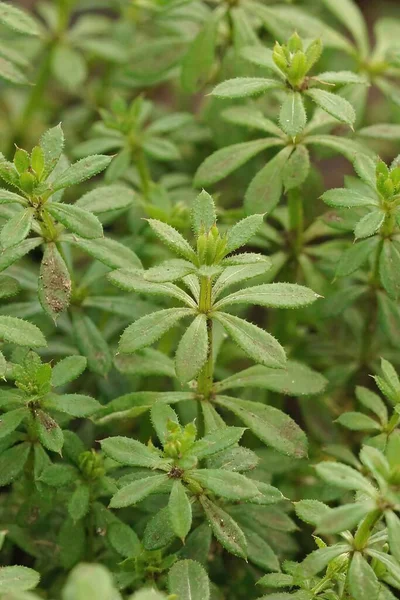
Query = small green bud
x=298 y=69
x=388 y=188
x=22 y=160
x=37 y=161
x=395 y=177
x=313 y=53
x=279 y=58
x=381 y=169
x=27 y=182
x=295 y=43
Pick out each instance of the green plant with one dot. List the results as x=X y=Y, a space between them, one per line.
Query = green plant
x=165 y=432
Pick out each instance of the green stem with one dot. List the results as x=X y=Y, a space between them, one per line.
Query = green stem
x=206 y=377
x=394 y=421
x=296 y=218
x=365 y=529
x=144 y=174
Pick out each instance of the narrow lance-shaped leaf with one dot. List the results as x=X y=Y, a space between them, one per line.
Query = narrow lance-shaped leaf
x=334 y=105
x=192 y=350
x=265 y=189
x=203 y=214
x=242 y=87
x=180 y=510
x=76 y=219
x=52 y=144
x=292 y=116
x=189 y=581
x=17 y=228
x=54 y=288
x=223 y=162
x=363 y=582
x=261 y=346
x=81 y=170
x=275 y=295
x=130 y=452
x=270 y=425
x=148 y=329
x=135 y=492
x=173 y=239
x=22 y=333
x=225 y=529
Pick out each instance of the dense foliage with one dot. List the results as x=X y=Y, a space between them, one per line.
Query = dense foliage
x=199 y=301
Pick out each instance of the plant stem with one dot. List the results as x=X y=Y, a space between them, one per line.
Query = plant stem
x=296 y=218
x=144 y=173
x=365 y=529
x=206 y=376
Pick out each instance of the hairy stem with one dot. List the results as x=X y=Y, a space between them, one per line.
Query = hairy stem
x=206 y=376
x=365 y=529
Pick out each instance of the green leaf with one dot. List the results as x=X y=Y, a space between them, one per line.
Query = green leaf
x=76 y=219
x=243 y=231
x=75 y=405
x=258 y=344
x=161 y=149
x=67 y=370
x=264 y=191
x=223 y=162
x=273 y=295
x=252 y=118
x=161 y=415
x=270 y=425
x=69 y=66
x=239 y=273
x=348 y=13
x=354 y=257
x=199 y=60
x=148 y=595
x=91 y=343
x=344 y=477
x=133 y=281
x=81 y=170
x=319 y=559
x=130 y=452
x=8 y=286
x=243 y=87
x=12 y=461
x=22 y=333
x=260 y=552
x=341 y=78
x=311 y=511
x=389 y=265
x=203 y=215
x=292 y=116
x=342 y=197
x=17 y=228
x=7 y=197
x=110 y=252
x=225 y=484
x=14 y=253
x=79 y=503
x=148 y=329
x=17 y=579
x=372 y=402
x=106 y=198
x=189 y=581
x=158 y=532
x=276 y=580
x=296 y=169
x=295 y=379
x=192 y=350
x=344 y=517
x=137 y=491
x=54 y=289
x=365 y=167
x=180 y=510
x=10 y=72
x=173 y=239
x=124 y=540
x=369 y=224
x=334 y=105
x=52 y=144
x=216 y=442
x=389 y=562
x=11 y=420
x=389 y=317
x=90 y=581
x=58 y=475
x=225 y=529
x=18 y=20
x=363 y=582
x=358 y=422
x=49 y=432
x=170 y=270
x=393 y=526
x=385 y=131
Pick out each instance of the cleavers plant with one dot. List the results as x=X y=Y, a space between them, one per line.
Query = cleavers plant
x=166 y=433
